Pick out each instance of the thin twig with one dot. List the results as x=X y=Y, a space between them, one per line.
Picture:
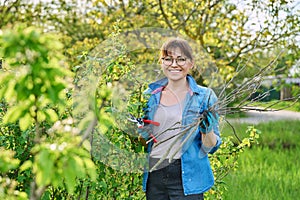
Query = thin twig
x=233 y=129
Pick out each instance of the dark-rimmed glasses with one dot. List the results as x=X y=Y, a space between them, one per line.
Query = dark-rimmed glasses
x=180 y=61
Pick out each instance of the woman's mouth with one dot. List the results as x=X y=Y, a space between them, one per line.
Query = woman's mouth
x=174 y=70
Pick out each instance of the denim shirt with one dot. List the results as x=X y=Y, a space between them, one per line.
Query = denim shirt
x=197 y=175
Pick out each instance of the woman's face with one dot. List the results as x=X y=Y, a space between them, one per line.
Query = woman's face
x=176 y=65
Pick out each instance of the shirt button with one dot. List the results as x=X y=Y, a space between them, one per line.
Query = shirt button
x=182 y=172
x=190 y=179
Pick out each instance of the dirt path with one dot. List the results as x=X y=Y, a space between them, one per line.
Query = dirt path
x=255 y=117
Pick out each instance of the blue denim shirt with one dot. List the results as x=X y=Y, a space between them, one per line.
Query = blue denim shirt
x=197 y=175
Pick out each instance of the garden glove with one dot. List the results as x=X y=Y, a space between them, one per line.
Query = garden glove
x=208 y=121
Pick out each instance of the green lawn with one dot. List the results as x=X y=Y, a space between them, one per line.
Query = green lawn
x=270 y=170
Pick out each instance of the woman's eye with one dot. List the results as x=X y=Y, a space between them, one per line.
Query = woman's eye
x=167 y=59
x=181 y=59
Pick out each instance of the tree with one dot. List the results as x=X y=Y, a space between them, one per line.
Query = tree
x=34 y=124
x=227 y=33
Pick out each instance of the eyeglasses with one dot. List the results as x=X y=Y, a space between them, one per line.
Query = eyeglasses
x=180 y=61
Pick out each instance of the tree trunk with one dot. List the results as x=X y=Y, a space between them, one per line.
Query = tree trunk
x=285 y=93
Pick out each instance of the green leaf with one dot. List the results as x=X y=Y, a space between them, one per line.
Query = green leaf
x=51 y=115
x=73 y=166
x=25 y=122
x=26 y=165
x=87 y=145
x=78 y=165
x=70 y=176
x=14 y=113
x=10 y=92
x=45 y=169
x=41 y=116
x=7 y=160
x=91 y=168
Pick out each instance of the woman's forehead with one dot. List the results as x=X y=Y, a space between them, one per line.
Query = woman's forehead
x=174 y=52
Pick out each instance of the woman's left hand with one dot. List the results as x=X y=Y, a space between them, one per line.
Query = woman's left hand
x=208 y=121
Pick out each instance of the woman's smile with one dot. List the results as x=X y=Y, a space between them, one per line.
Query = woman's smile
x=175 y=70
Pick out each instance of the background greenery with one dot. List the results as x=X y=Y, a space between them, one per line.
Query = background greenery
x=46 y=56
x=268 y=170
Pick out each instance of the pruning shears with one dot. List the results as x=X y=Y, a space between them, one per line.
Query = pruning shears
x=141 y=122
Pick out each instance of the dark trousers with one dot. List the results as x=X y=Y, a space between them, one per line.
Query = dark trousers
x=166 y=184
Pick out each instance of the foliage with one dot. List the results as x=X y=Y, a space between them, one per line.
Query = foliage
x=35 y=82
x=60 y=162
x=231 y=34
x=222 y=29
x=225 y=160
x=19 y=11
x=7 y=186
x=112 y=146
x=7 y=160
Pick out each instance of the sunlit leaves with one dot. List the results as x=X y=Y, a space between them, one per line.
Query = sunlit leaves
x=60 y=164
x=35 y=75
x=8 y=190
x=226 y=159
x=8 y=186
x=59 y=160
x=7 y=160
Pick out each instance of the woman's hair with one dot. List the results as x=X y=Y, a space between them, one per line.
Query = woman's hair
x=171 y=44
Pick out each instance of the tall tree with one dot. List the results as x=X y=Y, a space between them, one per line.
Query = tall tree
x=226 y=30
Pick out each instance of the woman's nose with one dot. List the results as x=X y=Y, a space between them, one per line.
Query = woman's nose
x=174 y=63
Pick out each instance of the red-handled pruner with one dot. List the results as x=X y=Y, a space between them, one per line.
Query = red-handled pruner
x=141 y=122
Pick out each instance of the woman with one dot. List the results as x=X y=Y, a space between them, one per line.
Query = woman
x=178 y=163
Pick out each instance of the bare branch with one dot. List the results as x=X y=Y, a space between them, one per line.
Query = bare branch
x=184 y=21
x=89 y=130
x=245 y=90
x=164 y=15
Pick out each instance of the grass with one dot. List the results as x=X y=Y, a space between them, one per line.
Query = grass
x=265 y=174
x=269 y=170
x=274 y=133
x=236 y=115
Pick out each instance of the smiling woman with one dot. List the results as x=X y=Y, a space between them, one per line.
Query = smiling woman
x=178 y=157
x=177 y=60
x=177 y=50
